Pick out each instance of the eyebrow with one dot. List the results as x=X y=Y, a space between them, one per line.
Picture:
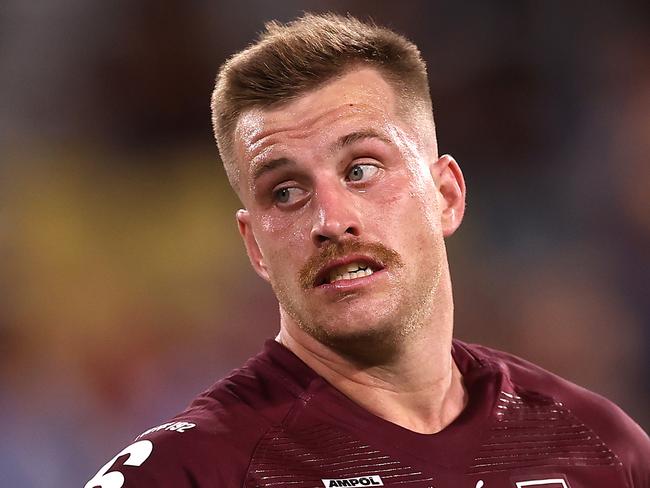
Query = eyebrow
x=339 y=144
x=356 y=136
x=269 y=165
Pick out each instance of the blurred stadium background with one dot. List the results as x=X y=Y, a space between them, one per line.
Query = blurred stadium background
x=125 y=291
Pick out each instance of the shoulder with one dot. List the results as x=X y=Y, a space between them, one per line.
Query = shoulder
x=614 y=427
x=210 y=444
x=179 y=453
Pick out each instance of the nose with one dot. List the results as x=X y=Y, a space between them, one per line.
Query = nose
x=336 y=217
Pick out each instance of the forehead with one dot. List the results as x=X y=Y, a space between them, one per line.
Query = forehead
x=361 y=95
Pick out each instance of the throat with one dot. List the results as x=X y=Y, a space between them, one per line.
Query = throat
x=423 y=395
x=426 y=410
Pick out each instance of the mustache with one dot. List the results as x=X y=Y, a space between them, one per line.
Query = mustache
x=334 y=250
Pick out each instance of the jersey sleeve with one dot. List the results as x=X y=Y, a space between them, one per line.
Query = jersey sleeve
x=630 y=443
x=160 y=461
x=624 y=437
x=186 y=457
x=618 y=431
x=137 y=465
x=201 y=450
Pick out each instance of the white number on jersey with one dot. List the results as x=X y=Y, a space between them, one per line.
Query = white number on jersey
x=138 y=453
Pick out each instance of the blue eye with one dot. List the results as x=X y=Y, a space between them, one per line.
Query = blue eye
x=361 y=172
x=288 y=195
x=282 y=195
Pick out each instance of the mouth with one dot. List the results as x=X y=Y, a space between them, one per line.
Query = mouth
x=347 y=269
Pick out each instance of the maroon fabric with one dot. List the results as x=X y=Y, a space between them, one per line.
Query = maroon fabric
x=276 y=423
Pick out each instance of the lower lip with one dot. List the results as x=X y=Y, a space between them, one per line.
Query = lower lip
x=353 y=284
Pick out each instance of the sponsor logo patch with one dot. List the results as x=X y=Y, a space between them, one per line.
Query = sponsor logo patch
x=372 y=480
x=545 y=483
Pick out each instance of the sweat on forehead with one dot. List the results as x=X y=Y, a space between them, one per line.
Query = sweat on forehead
x=366 y=94
x=291 y=59
x=358 y=106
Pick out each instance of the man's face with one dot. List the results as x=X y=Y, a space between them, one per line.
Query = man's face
x=345 y=213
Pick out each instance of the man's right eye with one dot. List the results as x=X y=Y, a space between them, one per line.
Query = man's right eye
x=287 y=195
x=282 y=195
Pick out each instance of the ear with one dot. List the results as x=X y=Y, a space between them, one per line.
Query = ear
x=252 y=248
x=450 y=183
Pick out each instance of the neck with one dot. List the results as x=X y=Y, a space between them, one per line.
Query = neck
x=421 y=389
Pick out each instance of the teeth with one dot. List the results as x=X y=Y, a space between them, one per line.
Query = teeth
x=338 y=275
x=353 y=267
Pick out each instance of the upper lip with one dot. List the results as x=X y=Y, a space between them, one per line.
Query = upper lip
x=322 y=276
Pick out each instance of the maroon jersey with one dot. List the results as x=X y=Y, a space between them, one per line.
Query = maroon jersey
x=276 y=423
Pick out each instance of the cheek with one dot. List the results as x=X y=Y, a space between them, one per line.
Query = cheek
x=281 y=241
x=409 y=201
x=279 y=227
x=424 y=193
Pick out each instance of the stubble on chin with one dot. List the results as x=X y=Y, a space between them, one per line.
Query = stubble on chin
x=369 y=347
x=366 y=344
x=384 y=342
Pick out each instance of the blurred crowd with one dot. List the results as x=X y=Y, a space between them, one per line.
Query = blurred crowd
x=124 y=289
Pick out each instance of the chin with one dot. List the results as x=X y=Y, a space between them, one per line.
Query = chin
x=364 y=343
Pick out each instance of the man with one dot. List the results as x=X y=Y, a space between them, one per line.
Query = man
x=326 y=132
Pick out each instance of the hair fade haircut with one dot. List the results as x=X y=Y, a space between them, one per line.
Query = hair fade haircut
x=291 y=59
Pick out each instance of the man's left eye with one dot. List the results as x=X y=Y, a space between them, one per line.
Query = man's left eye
x=361 y=172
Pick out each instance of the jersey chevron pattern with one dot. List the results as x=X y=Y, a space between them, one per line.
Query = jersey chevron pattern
x=275 y=423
